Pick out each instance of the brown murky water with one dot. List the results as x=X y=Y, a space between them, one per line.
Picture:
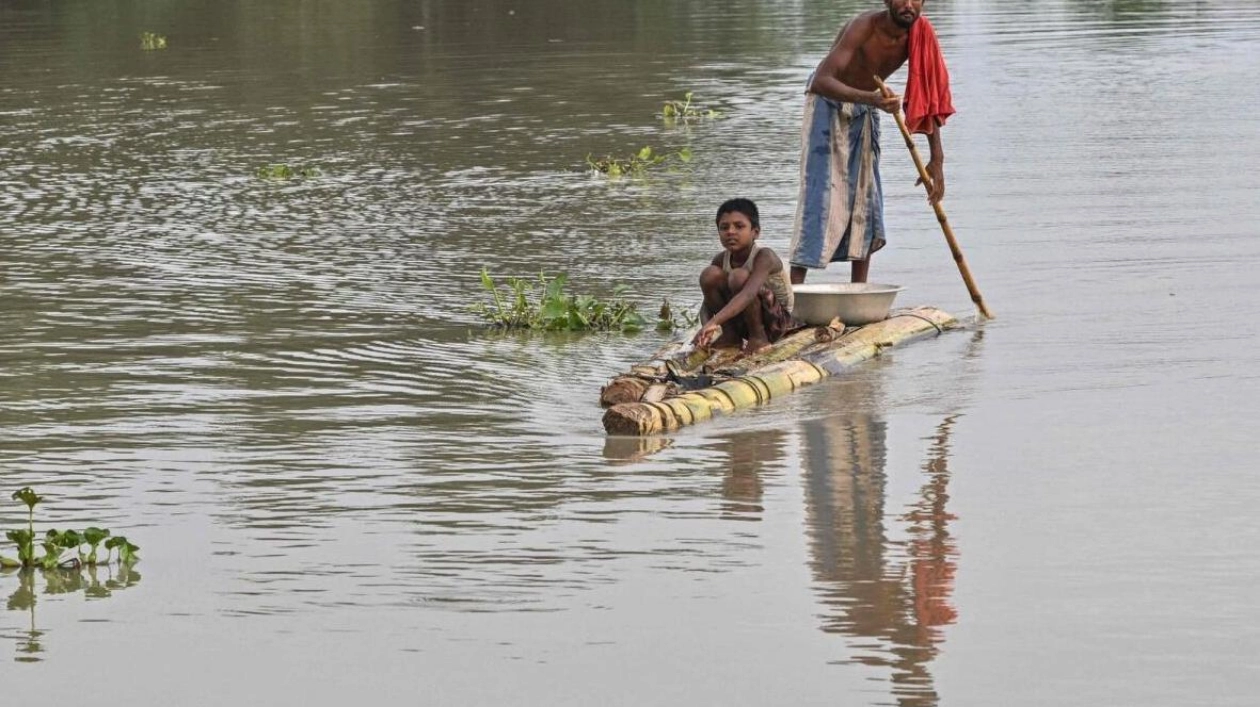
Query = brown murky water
x=345 y=489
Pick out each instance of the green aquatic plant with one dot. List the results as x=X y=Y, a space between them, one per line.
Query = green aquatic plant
x=25 y=542
x=638 y=164
x=31 y=499
x=669 y=319
x=57 y=543
x=126 y=551
x=92 y=537
x=686 y=111
x=525 y=304
x=284 y=171
x=150 y=41
x=53 y=550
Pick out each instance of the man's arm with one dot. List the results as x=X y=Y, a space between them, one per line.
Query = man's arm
x=936 y=165
x=826 y=81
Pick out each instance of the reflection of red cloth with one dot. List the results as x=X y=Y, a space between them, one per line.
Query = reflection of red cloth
x=928 y=102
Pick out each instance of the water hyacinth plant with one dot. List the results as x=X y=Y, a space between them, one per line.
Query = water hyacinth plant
x=126 y=551
x=638 y=164
x=57 y=543
x=526 y=304
x=284 y=172
x=686 y=111
x=93 y=537
x=150 y=41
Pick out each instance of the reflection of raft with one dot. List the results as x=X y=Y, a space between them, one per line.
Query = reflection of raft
x=679 y=387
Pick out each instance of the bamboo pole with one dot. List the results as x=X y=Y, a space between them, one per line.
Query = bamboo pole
x=775 y=380
x=940 y=210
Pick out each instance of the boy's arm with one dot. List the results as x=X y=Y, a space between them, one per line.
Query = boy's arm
x=762 y=267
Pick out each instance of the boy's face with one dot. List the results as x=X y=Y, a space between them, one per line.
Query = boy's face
x=736 y=231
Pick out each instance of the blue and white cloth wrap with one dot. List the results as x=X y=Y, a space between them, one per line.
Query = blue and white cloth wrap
x=840 y=210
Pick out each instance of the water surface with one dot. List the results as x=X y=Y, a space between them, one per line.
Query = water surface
x=345 y=488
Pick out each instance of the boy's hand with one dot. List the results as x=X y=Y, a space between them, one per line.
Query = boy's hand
x=706 y=335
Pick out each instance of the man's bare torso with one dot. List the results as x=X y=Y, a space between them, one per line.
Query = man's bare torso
x=878 y=51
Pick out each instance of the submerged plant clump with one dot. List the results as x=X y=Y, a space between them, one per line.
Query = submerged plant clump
x=638 y=164
x=150 y=41
x=63 y=548
x=525 y=304
x=284 y=171
x=687 y=111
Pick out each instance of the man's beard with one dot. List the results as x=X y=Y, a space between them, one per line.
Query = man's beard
x=903 y=22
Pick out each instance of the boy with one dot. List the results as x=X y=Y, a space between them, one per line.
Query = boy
x=747 y=295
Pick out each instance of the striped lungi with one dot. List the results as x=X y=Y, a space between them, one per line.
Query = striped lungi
x=840 y=209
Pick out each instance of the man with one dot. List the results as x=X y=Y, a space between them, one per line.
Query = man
x=840 y=212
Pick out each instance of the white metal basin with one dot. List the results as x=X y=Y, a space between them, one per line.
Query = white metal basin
x=855 y=303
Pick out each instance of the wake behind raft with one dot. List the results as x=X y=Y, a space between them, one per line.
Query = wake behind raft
x=679 y=386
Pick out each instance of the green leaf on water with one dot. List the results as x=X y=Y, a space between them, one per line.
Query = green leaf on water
x=126 y=550
x=28 y=496
x=93 y=536
x=553 y=309
x=25 y=542
x=150 y=41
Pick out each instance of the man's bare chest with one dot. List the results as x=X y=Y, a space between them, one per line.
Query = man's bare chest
x=884 y=56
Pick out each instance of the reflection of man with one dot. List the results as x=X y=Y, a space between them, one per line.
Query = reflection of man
x=862 y=575
x=932 y=550
x=840 y=210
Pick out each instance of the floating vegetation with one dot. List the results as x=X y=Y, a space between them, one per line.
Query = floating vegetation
x=63 y=549
x=284 y=171
x=670 y=320
x=637 y=164
x=544 y=305
x=686 y=111
x=150 y=41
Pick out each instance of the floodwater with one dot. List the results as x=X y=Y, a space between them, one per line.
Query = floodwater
x=345 y=489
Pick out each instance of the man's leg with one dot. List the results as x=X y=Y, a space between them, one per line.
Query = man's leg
x=860 y=269
x=797 y=274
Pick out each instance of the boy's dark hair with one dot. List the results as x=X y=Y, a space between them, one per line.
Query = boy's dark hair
x=743 y=206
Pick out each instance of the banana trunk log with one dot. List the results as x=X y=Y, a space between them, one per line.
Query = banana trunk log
x=754 y=388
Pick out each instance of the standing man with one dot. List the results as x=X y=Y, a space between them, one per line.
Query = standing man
x=840 y=210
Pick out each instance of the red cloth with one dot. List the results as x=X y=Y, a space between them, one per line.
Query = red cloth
x=928 y=102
